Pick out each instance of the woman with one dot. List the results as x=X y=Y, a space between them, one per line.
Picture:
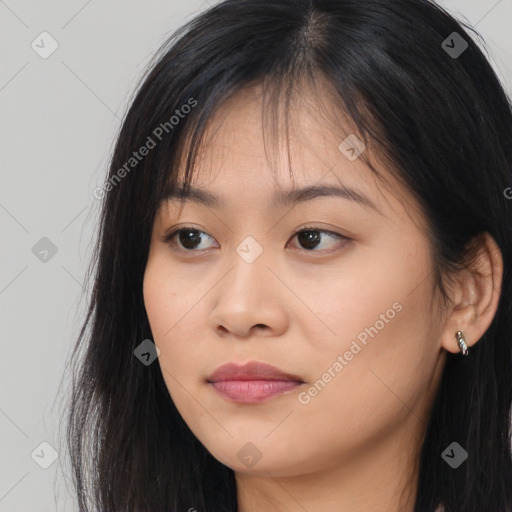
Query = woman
x=302 y=293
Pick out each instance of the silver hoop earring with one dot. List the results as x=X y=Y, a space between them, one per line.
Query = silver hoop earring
x=462 y=343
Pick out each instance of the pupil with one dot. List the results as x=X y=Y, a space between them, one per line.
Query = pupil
x=309 y=239
x=188 y=237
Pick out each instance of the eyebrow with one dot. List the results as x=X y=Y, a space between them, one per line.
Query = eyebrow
x=281 y=198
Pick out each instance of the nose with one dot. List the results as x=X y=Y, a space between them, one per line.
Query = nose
x=249 y=301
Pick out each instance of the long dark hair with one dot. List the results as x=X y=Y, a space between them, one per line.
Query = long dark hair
x=444 y=124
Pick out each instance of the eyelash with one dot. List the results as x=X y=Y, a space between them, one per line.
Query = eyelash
x=169 y=238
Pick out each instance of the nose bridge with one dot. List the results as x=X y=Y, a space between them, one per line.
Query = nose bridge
x=247 y=296
x=248 y=269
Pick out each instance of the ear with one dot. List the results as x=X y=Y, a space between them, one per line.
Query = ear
x=475 y=294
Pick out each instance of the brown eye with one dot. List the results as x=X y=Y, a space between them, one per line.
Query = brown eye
x=311 y=238
x=188 y=239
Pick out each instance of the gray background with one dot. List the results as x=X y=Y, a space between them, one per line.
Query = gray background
x=59 y=118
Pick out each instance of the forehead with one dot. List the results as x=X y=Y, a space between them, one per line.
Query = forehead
x=298 y=145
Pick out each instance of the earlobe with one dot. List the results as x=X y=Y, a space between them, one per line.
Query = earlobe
x=475 y=296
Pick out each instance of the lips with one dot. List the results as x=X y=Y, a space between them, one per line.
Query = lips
x=251 y=371
x=253 y=382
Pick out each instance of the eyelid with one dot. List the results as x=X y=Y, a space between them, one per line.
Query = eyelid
x=344 y=239
x=168 y=238
x=313 y=227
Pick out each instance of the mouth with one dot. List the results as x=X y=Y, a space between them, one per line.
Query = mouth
x=252 y=391
x=252 y=382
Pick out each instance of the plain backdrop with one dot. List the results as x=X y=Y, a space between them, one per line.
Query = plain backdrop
x=59 y=117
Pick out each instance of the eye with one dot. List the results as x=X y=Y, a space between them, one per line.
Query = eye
x=189 y=239
x=310 y=238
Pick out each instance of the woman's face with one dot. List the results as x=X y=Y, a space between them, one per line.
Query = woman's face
x=346 y=307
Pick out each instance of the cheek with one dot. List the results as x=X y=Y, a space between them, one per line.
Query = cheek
x=395 y=357
x=371 y=295
x=168 y=297
x=158 y=300
x=381 y=325
x=170 y=306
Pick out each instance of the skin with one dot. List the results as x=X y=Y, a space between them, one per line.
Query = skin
x=354 y=445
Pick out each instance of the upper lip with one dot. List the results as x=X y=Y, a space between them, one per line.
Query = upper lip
x=251 y=371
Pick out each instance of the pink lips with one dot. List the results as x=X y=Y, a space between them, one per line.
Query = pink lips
x=252 y=382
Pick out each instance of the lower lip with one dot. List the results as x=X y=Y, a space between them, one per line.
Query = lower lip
x=251 y=391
